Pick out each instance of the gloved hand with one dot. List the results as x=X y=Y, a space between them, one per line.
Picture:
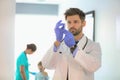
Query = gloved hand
x=59 y=30
x=33 y=73
x=69 y=38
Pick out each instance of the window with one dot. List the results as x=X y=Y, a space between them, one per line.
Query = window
x=89 y=29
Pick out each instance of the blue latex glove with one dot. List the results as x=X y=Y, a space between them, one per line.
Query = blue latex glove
x=69 y=38
x=59 y=30
x=33 y=73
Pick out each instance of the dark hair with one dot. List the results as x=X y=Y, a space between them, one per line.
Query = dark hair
x=32 y=47
x=40 y=63
x=75 y=11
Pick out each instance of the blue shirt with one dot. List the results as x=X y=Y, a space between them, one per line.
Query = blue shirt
x=22 y=61
x=40 y=76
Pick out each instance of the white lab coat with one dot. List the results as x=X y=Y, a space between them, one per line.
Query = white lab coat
x=80 y=67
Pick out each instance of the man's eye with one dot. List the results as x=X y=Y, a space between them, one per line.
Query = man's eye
x=68 y=22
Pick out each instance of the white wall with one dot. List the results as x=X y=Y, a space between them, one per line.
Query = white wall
x=7 y=11
x=106 y=12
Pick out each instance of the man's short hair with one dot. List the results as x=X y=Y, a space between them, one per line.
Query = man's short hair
x=75 y=11
x=32 y=47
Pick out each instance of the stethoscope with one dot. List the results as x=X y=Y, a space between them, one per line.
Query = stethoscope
x=85 y=43
x=75 y=47
x=83 y=46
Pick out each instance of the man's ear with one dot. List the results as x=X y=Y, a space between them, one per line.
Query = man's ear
x=83 y=23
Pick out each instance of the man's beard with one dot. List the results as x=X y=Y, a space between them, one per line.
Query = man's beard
x=75 y=32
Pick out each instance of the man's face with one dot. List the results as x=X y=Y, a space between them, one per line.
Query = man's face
x=30 y=51
x=75 y=25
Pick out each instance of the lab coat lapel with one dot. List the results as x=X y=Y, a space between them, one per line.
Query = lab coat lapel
x=82 y=42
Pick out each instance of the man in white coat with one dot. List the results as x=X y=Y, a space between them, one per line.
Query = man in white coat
x=74 y=56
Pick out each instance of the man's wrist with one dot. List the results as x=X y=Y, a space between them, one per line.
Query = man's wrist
x=57 y=43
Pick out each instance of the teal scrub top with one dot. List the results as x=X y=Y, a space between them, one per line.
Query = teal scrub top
x=40 y=76
x=22 y=61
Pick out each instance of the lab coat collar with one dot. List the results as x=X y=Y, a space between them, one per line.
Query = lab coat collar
x=81 y=42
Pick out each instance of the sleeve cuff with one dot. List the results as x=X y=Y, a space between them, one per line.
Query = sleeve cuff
x=55 y=48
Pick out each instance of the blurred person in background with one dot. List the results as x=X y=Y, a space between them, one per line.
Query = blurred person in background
x=22 y=71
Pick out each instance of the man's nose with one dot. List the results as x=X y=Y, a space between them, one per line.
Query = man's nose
x=72 y=25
